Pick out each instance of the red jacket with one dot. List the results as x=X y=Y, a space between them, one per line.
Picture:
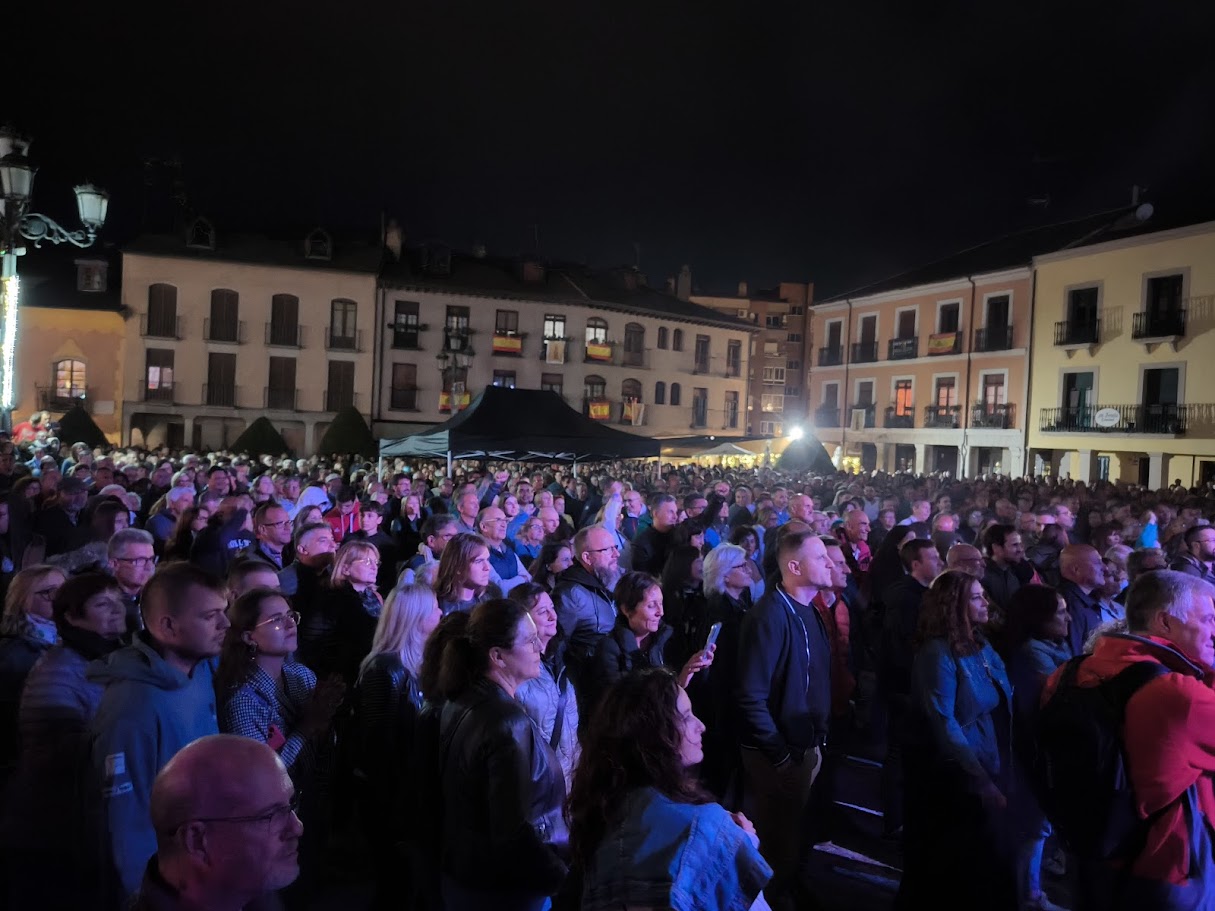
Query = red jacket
x=1170 y=743
x=839 y=626
x=344 y=525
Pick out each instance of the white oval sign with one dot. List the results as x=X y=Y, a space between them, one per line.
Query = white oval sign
x=1107 y=417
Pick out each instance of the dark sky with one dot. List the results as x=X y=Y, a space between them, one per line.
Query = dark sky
x=763 y=141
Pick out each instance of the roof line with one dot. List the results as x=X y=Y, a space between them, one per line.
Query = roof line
x=565 y=275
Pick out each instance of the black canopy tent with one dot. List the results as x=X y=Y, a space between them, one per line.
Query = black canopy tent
x=521 y=425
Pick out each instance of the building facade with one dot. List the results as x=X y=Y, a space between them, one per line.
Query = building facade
x=1124 y=359
x=614 y=348
x=225 y=329
x=925 y=377
x=777 y=394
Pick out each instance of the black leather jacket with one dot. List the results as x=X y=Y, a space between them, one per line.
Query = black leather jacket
x=388 y=703
x=502 y=795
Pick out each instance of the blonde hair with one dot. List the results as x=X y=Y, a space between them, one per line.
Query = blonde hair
x=348 y=553
x=22 y=588
x=399 y=628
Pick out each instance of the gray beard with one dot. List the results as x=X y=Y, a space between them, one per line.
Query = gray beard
x=608 y=576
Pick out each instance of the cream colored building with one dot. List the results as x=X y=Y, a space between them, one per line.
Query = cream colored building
x=616 y=349
x=225 y=328
x=1124 y=358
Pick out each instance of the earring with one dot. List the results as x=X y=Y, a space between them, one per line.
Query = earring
x=252 y=650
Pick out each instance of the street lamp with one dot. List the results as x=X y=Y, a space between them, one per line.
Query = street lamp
x=16 y=187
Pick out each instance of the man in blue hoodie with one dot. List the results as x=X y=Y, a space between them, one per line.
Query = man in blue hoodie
x=158 y=698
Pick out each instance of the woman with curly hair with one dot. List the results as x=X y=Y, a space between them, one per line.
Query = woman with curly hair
x=464 y=573
x=641 y=830
x=956 y=844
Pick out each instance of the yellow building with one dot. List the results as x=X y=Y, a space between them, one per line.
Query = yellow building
x=71 y=343
x=1123 y=358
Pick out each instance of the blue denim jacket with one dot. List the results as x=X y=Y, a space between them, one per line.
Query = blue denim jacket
x=664 y=854
x=956 y=697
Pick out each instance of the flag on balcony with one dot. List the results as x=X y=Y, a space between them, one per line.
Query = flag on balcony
x=598 y=351
x=507 y=344
x=554 y=351
x=634 y=413
x=942 y=343
x=600 y=410
x=446 y=399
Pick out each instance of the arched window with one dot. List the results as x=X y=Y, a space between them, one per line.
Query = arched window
x=318 y=245
x=595 y=387
x=660 y=393
x=677 y=340
x=634 y=345
x=662 y=337
x=630 y=390
x=675 y=390
x=71 y=379
x=222 y=327
x=596 y=331
x=202 y=235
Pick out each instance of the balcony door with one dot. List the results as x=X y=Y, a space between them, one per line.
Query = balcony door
x=833 y=335
x=997 y=315
x=906 y=327
x=1078 y=398
x=1082 y=307
x=869 y=330
x=1161 y=395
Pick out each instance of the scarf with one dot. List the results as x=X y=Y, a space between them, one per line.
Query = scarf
x=29 y=626
x=87 y=643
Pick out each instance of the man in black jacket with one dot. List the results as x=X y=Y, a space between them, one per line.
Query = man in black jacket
x=784 y=703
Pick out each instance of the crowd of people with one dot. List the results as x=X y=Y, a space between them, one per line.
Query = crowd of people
x=222 y=679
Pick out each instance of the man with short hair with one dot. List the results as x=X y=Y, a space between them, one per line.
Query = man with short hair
x=798 y=507
x=508 y=569
x=1198 y=558
x=219 y=482
x=314 y=550
x=436 y=531
x=921 y=510
x=161 y=525
x=272 y=527
x=781 y=503
x=158 y=697
x=467 y=506
x=634 y=509
x=1083 y=572
x=649 y=550
x=582 y=595
x=60 y=524
x=132 y=556
x=343 y=518
x=1168 y=735
x=783 y=699
x=224 y=814
x=965 y=558
x=1005 y=570
x=246 y=575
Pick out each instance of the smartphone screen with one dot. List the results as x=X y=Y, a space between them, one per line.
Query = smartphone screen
x=714 y=632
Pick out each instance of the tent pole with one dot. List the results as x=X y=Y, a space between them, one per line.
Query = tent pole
x=449 y=474
x=575 y=469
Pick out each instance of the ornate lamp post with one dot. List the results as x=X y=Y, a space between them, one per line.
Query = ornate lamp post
x=16 y=187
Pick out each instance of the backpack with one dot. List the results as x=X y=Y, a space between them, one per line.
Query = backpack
x=1079 y=768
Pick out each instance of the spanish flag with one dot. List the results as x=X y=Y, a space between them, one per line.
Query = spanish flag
x=507 y=344
x=598 y=351
x=601 y=410
x=942 y=343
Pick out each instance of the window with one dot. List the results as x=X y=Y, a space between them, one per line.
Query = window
x=404 y=396
x=902 y=398
x=702 y=354
x=993 y=390
x=595 y=387
x=771 y=349
x=159 y=375
x=162 y=311
x=342 y=326
x=700 y=406
x=405 y=325
x=794 y=337
x=201 y=235
x=90 y=276
x=677 y=340
x=731 y=410
x=552 y=382
x=505 y=378
x=663 y=338
x=318 y=245
x=734 y=358
x=774 y=376
x=71 y=378
x=222 y=327
x=947 y=317
x=284 y=320
x=947 y=391
x=1164 y=294
x=506 y=322
x=771 y=428
x=774 y=401
x=660 y=393
x=773 y=321
x=596 y=331
x=340 y=393
x=634 y=345
x=675 y=393
x=221 y=380
x=794 y=366
x=455 y=328
x=793 y=392
x=630 y=391
x=280 y=392
x=554 y=326
x=797 y=311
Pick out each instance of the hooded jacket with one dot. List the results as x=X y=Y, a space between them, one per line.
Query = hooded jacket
x=1169 y=737
x=586 y=614
x=148 y=712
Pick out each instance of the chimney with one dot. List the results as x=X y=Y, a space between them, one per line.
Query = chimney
x=394 y=239
x=742 y=289
x=670 y=280
x=683 y=285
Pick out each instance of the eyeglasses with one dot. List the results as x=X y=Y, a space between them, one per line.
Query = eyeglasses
x=47 y=593
x=601 y=550
x=533 y=641
x=278 y=816
x=137 y=562
x=278 y=620
x=369 y=561
x=281 y=524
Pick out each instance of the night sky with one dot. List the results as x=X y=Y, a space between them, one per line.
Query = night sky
x=837 y=143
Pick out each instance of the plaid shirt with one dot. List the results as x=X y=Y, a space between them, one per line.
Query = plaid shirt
x=261 y=703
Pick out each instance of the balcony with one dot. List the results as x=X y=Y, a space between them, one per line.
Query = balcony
x=948 y=417
x=404 y=399
x=231 y=332
x=1072 y=334
x=279 y=398
x=1158 y=326
x=50 y=399
x=284 y=336
x=994 y=338
x=164 y=394
x=700 y=367
x=343 y=341
x=902 y=349
x=160 y=327
x=831 y=357
x=994 y=417
x=337 y=399
x=826 y=417
x=508 y=344
x=893 y=420
x=1170 y=420
x=700 y=414
x=554 y=351
x=220 y=395
x=864 y=352
x=862 y=417
x=632 y=413
x=638 y=359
